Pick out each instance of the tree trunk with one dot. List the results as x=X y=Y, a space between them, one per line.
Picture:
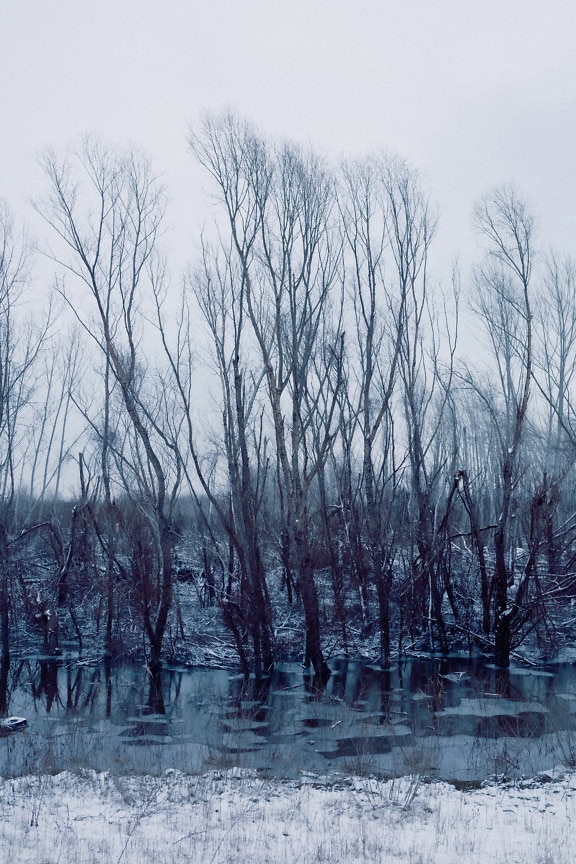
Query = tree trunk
x=501 y=612
x=313 y=650
x=4 y=597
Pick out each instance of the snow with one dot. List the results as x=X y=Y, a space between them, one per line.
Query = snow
x=493 y=707
x=12 y=723
x=238 y=816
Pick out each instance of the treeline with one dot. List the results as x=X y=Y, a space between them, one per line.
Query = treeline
x=305 y=388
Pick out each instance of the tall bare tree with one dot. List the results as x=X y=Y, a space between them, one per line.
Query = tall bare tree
x=427 y=346
x=105 y=209
x=218 y=288
x=554 y=373
x=379 y=303
x=504 y=306
x=21 y=343
x=279 y=203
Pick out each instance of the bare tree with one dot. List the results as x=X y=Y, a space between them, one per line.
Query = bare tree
x=21 y=343
x=427 y=346
x=279 y=203
x=218 y=288
x=106 y=209
x=379 y=305
x=554 y=369
x=504 y=306
x=49 y=443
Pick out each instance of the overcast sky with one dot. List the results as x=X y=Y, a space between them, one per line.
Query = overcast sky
x=473 y=93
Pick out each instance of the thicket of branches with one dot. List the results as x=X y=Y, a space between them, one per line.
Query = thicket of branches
x=300 y=425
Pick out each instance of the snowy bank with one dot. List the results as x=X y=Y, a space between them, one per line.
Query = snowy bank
x=238 y=817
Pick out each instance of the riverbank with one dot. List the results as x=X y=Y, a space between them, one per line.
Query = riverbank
x=237 y=816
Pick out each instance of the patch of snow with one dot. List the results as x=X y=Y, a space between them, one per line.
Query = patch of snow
x=241 y=817
x=493 y=707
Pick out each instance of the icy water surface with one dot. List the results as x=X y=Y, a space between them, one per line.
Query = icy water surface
x=453 y=719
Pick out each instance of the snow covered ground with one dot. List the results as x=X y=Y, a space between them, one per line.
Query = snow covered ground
x=236 y=816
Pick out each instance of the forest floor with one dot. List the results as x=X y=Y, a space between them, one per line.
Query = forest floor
x=236 y=816
x=196 y=634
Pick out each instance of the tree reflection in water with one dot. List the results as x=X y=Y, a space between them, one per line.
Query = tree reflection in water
x=145 y=720
x=47 y=684
x=155 y=703
x=4 y=700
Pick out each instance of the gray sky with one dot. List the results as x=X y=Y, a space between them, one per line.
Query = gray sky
x=474 y=94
